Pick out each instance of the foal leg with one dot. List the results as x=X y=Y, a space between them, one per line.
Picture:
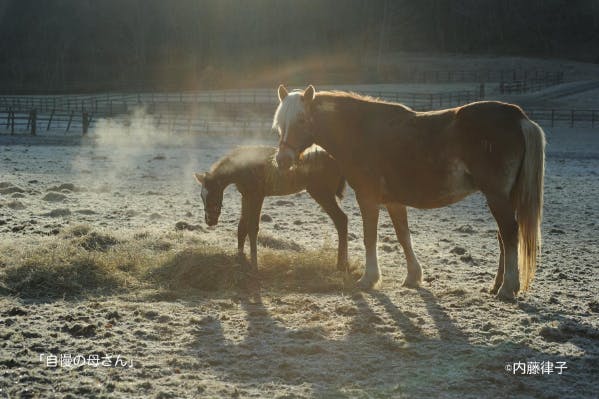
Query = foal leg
x=503 y=212
x=370 y=219
x=242 y=230
x=253 y=221
x=499 y=275
x=399 y=217
x=328 y=203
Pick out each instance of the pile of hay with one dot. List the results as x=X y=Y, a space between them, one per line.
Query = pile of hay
x=84 y=261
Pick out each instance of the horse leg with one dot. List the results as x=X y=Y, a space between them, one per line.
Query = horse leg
x=370 y=218
x=503 y=212
x=242 y=230
x=253 y=222
x=399 y=217
x=499 y=276
x=328 y=203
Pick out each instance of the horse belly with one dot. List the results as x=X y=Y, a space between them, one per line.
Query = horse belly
x=285 y=183
x=435 y=188
x=458 y=185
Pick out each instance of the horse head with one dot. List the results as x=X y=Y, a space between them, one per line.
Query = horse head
x=293 y=122
x=212 y=197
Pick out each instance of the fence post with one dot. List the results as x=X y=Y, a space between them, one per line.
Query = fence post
x=84 y=122
x=33 y=117
x=70 y=120
x=50 y=120
x=12 y=123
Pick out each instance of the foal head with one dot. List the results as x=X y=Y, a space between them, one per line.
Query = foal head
x=212 y=197
x=293 y=122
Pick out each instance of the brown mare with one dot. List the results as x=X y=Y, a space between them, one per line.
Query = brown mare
x=254 y=171
x=395 y=156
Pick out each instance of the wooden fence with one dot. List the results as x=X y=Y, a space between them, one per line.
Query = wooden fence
x=79 y=123
x=529 y=85
x=477 y=76
x=33 y=123
x=254 y=101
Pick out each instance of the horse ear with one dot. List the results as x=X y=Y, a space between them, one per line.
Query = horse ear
x=282 y=92
x=309 y=93
x=200 y=177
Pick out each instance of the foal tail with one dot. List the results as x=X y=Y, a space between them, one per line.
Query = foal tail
x=527 y=198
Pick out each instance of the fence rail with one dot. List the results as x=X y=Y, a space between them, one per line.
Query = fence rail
x=394 y=74
x=525 y=86
x=227 y=101
x=79 y=123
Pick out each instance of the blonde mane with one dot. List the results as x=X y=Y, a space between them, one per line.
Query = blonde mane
x=287 y=110
x=292 y=105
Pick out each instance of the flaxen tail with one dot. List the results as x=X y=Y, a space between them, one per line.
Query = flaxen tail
x=528 y=200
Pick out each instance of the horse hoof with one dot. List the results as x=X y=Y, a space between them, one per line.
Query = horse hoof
x=367 y=282
x=493 y=290
x=412 y=283
x=505 y=295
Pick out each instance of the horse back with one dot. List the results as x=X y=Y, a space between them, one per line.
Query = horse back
x=436 y=158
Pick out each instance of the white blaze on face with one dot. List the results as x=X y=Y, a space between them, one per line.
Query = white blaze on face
x=287 y=113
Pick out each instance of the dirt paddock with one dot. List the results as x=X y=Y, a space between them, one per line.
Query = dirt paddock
x=104 y=255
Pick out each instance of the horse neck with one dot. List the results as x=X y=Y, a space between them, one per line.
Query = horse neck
x=336 y=124
x=225 y=177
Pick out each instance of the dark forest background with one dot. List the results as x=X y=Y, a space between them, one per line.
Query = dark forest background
x=86 y=45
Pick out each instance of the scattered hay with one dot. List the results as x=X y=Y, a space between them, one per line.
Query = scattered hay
x=269 y=241
x=83 y=236
x=181 y=225
x=77 y=231
x=39 y=277
x=98 y=242
x=305 y=271
x=83 y=261
x=207 y=268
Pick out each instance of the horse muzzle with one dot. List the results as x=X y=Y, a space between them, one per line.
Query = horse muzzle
x=211 y=218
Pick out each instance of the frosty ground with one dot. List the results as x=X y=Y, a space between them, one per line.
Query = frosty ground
x=104 y=252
